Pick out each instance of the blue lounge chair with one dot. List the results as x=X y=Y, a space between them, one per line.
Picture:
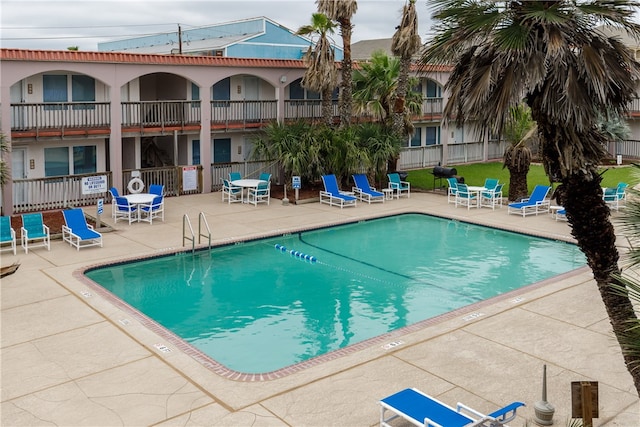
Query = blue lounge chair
x=234 y=176
x=7 y=234
x=77 y=232
x=452 y=190
x=464 y=197
x=615 y=197
x=34 y=233
x=332 y=195
x=535 y=204
x=363 y=191
x=423 y=410
x=398 y=186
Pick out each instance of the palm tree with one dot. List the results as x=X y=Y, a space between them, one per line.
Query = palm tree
x=321 y=73
x=404 y=44
x=519 y=130
x=375 y=84
x=4 y=167
x=552 y=55
x=342 y=11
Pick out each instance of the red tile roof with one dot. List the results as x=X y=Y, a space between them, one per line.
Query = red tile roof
x=137 y=58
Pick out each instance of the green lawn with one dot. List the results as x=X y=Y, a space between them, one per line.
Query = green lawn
x=475 y=174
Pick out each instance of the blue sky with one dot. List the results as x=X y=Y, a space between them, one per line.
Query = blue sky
x=56 y=25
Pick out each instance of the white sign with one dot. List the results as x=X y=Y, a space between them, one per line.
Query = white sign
x=296 y=184
x=100 y=206
x=94 y=184
x=189 y=178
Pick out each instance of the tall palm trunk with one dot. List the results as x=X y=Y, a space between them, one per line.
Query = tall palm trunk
x=346 y=92
x=585 y=208
x=400 y=97
x=327 y=105
x=589 y=217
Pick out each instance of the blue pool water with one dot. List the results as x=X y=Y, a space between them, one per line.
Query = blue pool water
x=257 y=307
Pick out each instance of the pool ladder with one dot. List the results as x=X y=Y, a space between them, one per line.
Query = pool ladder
x=191 y=236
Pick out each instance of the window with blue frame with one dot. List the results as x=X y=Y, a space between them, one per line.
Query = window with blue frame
x=432 y=135
x=54 y=90
x=83 y=89
x=195 y=152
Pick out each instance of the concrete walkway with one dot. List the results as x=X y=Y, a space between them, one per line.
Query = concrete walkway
x=72 y=357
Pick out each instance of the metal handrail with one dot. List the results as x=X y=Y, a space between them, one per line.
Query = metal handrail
x=201 y=219
x=186 y=221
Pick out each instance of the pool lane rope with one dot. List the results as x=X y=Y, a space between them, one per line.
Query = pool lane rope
x=296 y=254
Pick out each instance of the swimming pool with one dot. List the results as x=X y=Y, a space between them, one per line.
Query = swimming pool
x=262 y=305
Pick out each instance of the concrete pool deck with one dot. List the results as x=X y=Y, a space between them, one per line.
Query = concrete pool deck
x=72 y=357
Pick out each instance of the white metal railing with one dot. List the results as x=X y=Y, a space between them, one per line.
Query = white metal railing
x=160 y=113
x=244 y=113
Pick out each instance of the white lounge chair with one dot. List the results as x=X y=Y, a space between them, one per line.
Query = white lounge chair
x=77 y=232
x=363 y=191
x=535 y=204
x=332 y=195
x=422 y=410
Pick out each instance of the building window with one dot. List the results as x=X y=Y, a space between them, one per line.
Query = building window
x=432 y=135
x=56 y=161
x=416 y=139
x=84 y=159
x=222 y=150
x=297 y=92
x=54 y=90
x=222 y=90
x=83 y=89
x=195 y=95
x=433 y=90
x=195 y=152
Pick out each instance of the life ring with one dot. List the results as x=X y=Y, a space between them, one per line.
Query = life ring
x=135 y=186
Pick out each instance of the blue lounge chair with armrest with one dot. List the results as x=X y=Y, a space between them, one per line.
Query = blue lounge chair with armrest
x=77 y=232
x=423 y=410
x=234 y=176
x=155 y=209
x=363 y=191
x=464 y=197
x=260 y=194
x=535 y=204
x=332 y=195
x=399 y=186
x=156 y=189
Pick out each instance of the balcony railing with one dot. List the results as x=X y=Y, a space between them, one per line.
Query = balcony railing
x=242 y=114
x=160 y=114
x=307 y=109
x=60 y=116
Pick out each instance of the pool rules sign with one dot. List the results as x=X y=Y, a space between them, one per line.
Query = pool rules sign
x=94 y=185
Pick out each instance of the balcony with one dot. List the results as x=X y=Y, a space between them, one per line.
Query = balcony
x=60 y=119
x=160 y=116
x=226 y=115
